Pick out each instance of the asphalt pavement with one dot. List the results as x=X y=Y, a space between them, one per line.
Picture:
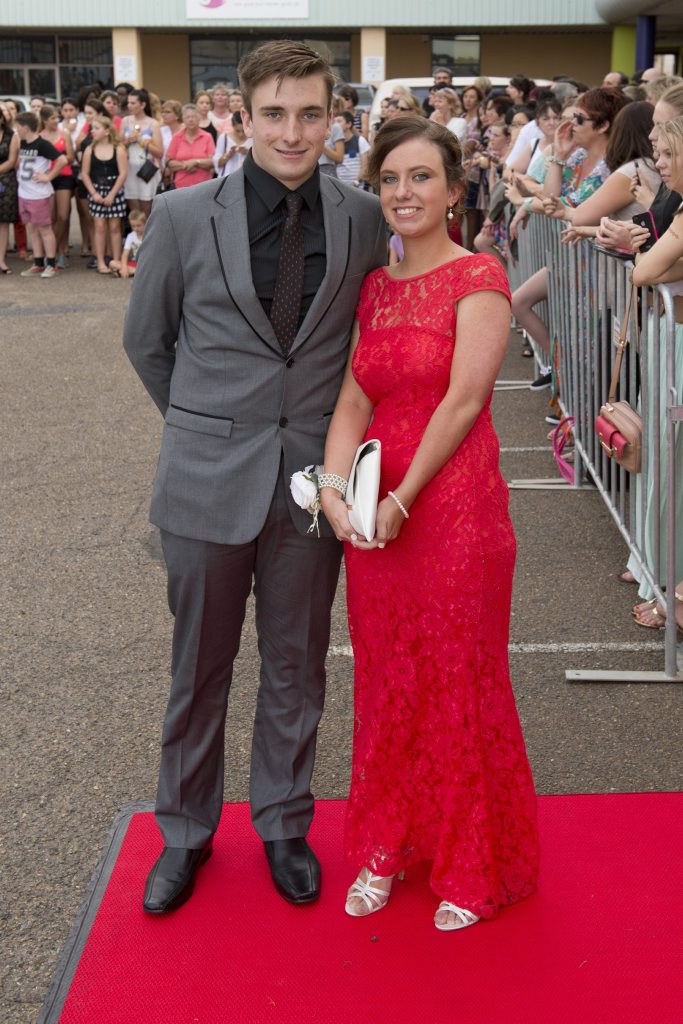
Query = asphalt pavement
x=85 y=629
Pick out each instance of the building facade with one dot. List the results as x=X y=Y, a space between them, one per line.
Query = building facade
x=174 y=47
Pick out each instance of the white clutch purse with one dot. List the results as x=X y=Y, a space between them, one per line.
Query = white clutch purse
x=362 y=490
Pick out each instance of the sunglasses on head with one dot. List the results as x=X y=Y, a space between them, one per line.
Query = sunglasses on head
x=404 y=109
x=581 y=118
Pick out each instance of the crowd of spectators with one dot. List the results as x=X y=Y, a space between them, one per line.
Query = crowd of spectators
x=528 y=150
x=594 y=158
x=107 y=153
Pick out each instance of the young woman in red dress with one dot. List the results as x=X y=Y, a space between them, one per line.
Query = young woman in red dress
x=440 y=771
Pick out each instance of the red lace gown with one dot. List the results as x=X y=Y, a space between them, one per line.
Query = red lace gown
x=440 y=771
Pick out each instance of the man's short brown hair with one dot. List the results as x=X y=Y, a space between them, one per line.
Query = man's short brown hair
x=282 y=58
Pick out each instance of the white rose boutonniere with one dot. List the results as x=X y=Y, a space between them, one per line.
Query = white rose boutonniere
x=305 y=490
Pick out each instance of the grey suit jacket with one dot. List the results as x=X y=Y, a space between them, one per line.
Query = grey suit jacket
x=197 y=335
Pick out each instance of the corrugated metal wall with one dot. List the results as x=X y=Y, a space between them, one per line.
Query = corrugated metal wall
x=170 y=14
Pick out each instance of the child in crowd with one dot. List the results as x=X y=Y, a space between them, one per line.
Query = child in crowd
x=104 y=170
x=35 y=174
x=352 y=168
x=126 y=266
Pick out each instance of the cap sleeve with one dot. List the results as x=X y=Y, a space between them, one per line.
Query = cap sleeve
x=479 y=273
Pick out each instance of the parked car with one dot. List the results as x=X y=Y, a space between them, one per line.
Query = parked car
x=24 y=102
x=366 y=93
x=420 y=88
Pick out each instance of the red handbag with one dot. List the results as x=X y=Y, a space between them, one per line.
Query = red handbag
x=618 y=426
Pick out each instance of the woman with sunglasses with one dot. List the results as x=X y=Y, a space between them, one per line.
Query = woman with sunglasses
x=578 y=167
x=407 y=104
x=629 y=157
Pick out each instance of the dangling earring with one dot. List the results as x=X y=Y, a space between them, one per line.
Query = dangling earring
x=451 y=215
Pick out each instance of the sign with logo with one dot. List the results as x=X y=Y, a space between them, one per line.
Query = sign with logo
x=246 y=10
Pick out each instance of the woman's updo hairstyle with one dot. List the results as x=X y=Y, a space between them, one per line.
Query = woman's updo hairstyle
x=142 y=97
x=402 y=129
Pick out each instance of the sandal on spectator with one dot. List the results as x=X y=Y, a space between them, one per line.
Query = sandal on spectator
x=651 y=615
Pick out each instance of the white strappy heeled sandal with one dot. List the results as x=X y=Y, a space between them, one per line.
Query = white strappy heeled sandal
x=372 y=896
x=463 y=918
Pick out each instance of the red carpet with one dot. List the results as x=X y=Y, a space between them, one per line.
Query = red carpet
x=599 y=942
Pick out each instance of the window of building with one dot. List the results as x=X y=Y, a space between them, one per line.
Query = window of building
x=667 y=63
x=459 y=53
x=214 y=60
x=54 y=66
x=27 y=50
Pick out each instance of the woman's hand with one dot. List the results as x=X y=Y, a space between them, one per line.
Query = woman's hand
x=641 y=193
x=335 y=511
x=521 y=218
x=621 y=234
x=554 y=207
x=513 y=194
x=638 y=235
x=572 y=235
x=563 y=143
x=613 y=234
x=108 y=199
x=390 y=519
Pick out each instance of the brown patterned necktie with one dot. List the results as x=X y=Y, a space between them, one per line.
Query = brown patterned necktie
x=289 y=286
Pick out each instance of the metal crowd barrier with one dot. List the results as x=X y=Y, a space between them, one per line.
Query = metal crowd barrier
x=588 y=291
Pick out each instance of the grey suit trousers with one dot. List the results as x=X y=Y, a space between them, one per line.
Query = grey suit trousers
x=295 y=579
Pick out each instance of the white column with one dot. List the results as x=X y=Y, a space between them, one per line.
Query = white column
x=127 y=56
x=373 y=55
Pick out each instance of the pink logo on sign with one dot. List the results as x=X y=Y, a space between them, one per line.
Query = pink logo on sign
x=215 y=3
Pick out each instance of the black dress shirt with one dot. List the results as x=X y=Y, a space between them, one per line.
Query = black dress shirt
x=266 y=212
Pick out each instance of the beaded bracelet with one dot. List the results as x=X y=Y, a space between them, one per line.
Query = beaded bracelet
x=338 y=483
x=400 y=504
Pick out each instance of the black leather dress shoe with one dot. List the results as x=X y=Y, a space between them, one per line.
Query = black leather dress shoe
x=295 y=869
x=171 y=880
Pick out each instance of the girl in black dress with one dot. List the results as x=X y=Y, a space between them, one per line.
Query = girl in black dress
x=105 y=165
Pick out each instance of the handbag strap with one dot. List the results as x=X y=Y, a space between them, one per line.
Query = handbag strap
x=631 y=306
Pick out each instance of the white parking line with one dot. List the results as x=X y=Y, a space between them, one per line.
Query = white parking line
x=612 y=647
x=530 y=448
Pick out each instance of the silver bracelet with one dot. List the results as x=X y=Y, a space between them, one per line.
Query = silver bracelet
x=400 y=504
x=338 y=483
x=556 y=160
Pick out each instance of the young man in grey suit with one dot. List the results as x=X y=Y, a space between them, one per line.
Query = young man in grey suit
x=238 y=326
